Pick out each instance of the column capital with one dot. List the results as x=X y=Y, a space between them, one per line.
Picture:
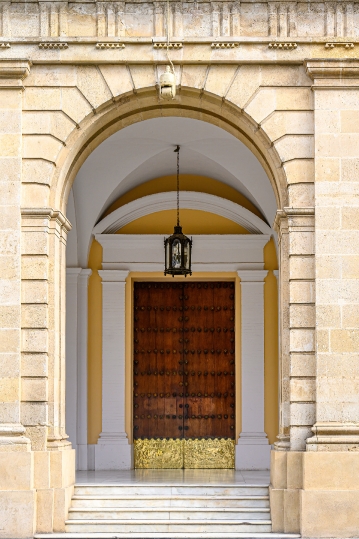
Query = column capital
x=332 y=73
x=13 y=72
x=252 y=276
x=46 y=214
x=84 y=275
x=113 y=276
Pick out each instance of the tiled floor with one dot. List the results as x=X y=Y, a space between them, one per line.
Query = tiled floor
x=174 y=477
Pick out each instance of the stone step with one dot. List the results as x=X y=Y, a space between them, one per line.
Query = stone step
x=167 y=535
x=175 y=526
x=172 y=513
x=170 y=501
x=96 y=490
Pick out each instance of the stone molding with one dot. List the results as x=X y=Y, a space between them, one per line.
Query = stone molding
x=113 y=276
x=252 y=276
x=188 y=200
x=332 y=73
x=13 y=72
x=49 y=214
x=334 y=436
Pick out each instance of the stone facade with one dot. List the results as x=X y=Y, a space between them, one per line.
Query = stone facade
x=283 y=78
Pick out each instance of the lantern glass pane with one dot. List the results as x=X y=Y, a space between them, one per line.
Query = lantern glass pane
x=167 y=252
x=186 y=255
x=176 y=254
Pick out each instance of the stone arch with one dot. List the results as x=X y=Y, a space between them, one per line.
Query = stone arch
x=131 y=108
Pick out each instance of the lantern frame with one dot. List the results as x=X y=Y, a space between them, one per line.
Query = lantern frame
x=181 y=266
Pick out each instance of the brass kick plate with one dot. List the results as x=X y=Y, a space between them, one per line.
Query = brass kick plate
x=180 y=453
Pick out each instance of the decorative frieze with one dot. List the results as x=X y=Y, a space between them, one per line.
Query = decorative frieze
x=5 y=45
x=282 y=19
x=54 y=45
x=110 y=45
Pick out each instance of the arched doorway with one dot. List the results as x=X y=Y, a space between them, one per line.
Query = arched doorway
x=122 y=203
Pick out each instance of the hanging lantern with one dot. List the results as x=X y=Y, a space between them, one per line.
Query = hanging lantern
x=178 y=247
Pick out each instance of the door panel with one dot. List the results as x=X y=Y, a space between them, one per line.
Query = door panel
x=157 y=386
x=184 y=374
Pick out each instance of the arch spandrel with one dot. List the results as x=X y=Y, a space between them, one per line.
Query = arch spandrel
x=130 y=108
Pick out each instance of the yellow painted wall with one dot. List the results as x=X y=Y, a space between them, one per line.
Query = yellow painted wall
x=94 y=355
x=194 y=222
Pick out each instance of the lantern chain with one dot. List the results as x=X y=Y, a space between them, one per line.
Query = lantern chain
x=177 y=150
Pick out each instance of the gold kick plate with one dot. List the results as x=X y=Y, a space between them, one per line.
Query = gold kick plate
x=181 y=453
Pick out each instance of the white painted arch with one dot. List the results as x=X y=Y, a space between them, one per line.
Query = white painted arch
x=193 y=200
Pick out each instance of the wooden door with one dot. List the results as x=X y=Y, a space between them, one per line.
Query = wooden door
x=184 y=372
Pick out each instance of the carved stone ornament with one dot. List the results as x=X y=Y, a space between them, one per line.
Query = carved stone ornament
x=224 y=45
x=286 y=46
x=170 y=45
x=5 y=45
x=345 y=45
x=59 y=46
x=110 y=45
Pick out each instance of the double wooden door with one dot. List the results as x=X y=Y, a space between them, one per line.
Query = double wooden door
x=184 y=374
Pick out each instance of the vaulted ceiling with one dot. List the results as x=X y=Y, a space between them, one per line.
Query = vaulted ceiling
x=144 y=151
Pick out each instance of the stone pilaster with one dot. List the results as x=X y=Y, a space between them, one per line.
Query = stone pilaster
x=12 y=73
x=236 y=19
x=281 y=226
x=272 y=19
x=17 y=495
x=226 y=19
x=336 y=87
x=113 y=450
x=216 y=19
x=158 y=17
x=252 y=449
x=76 y=360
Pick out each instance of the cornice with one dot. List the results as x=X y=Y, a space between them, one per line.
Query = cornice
x=13 y=72
x=47 y=213
x=331 y=72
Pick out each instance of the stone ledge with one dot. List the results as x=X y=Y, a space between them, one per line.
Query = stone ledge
x=13 y=71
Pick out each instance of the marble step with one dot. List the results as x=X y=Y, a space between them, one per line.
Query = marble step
x=169 y=490
x=166 y=535
x=170 y=501
x=172 y=513
x=170 y=526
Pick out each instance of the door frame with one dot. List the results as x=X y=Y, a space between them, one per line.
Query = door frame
x=129 y=258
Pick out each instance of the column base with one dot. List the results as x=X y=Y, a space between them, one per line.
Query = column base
x=253 y=452
x=113 y=452
x=334 y=436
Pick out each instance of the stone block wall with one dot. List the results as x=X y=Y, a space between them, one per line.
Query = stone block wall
x=281 y=77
